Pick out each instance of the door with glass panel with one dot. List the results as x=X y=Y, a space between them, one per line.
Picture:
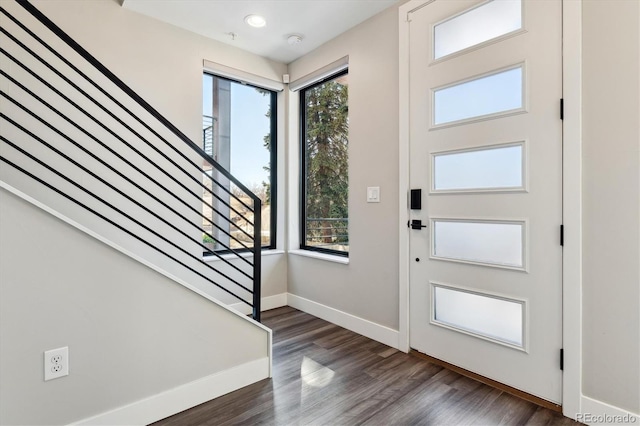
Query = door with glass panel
x=485 y=145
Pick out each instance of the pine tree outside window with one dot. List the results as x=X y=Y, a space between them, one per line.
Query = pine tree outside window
x=325 y=166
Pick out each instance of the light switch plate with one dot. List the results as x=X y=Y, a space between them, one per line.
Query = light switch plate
x=373 y=194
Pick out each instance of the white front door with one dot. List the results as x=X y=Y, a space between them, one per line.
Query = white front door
x=485 y=150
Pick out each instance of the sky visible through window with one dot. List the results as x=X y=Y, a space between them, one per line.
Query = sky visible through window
x=249 y=125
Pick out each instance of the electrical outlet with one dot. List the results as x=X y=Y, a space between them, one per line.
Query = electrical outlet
x=56 y=363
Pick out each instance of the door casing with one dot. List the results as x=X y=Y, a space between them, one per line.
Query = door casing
x=572 y=199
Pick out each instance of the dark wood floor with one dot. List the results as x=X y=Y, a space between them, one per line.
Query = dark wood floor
x=326 y=375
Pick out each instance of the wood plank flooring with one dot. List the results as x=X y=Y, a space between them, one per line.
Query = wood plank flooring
x=326 y=375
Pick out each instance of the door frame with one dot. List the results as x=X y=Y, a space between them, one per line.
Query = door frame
x=571 y=202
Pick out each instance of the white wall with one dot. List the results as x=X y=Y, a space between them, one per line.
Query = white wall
x=164 y=65
x=131 y=332
x=368 y=286
x=611 y=202
x=147 y=54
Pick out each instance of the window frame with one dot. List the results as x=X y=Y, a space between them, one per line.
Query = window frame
x=273 y=175
x=303 y=167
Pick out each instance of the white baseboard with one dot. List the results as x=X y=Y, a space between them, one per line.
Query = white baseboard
x=183 y=397
x=266 y=303
x=594 y=412
x=367 y=328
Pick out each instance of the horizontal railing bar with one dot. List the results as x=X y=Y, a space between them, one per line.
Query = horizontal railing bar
x=109 y=131
x=333 y=234
x=39 y=58
x=132 y=94
x=43 y=43
x=106 y=203
x=154 y=160
x=119 y=156
x=328 y=245
x=126 y=126
x=329 y=226
x=101 y=216
x=321 y=243
x=113 y=187
x=328 y=219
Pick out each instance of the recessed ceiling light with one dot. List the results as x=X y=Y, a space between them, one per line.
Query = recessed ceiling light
x=256 y=21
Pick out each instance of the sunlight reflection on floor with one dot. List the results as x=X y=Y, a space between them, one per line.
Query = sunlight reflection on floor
x=314 y=374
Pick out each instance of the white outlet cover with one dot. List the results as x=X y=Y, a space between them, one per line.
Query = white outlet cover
x=56 y=363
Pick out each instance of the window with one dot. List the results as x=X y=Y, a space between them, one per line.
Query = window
x=483 y=315
x=325 y=166
x=239 y=132
x=488 y=168
x=491 y=243
x=490 y=95
x=475 y=26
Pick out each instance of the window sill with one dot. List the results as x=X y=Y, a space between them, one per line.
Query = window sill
x=231 y=256
x=321 y=256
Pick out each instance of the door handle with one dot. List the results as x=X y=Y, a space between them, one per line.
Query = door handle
x=416 y=224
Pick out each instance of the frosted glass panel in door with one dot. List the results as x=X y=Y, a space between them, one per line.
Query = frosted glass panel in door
x=482 y=315
x=478 y=25
x=498 y=167
x=486 y=242
x=491 y=94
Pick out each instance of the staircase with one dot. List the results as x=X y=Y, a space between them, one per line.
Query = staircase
x=73 y=128
x=82 y=146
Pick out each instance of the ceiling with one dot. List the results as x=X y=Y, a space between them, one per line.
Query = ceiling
x=317 y=21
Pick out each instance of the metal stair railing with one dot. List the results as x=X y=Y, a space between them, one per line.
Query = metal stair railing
x=62 y=128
